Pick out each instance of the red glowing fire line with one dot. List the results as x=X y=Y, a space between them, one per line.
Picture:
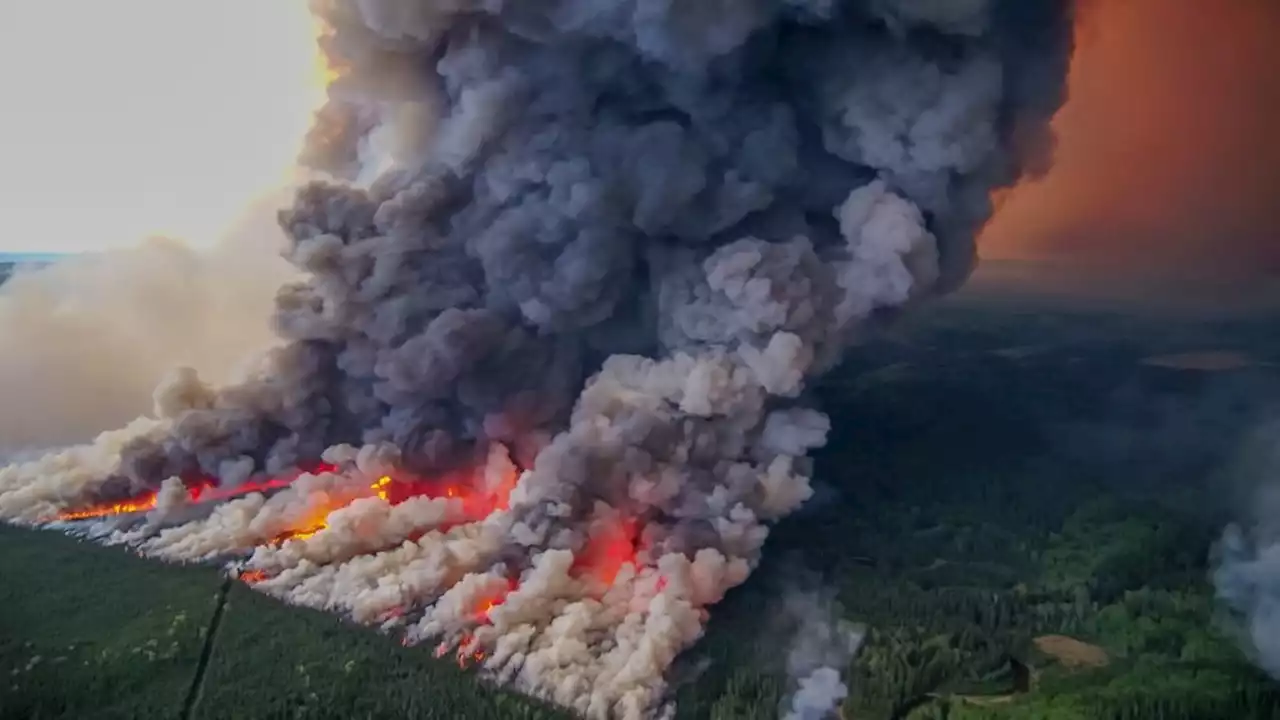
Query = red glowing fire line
x=606 y=552
x=456 y=484
x=200 y=490
x=475 y=506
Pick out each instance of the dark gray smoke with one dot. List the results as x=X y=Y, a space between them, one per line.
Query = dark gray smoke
x=577 y=178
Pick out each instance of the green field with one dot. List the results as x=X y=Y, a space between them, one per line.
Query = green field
x=995 y=479
x=91 y=632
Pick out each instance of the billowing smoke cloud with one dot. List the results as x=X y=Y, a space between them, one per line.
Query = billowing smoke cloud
x=87 y=339
x=1247 y=562
x=692 y=208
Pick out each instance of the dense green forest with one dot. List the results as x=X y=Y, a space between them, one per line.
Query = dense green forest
x=1018 y=507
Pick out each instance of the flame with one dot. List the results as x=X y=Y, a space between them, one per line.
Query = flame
x=609 y=547
x=199 y=490
x=253 y=576
x=142 y=503
x=299 y=534
x=467 y=485
x=486 y=605
x=382 y=488
x=469 y=651
x=462 y=485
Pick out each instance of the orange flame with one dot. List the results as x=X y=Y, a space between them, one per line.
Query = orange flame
x=469 y=651
x=382 y=487
x=302 y=534
x=464 y=485
x=199 y=490
x=142 y=503
x=253 y=576
x=460 y=485
x=607 y=550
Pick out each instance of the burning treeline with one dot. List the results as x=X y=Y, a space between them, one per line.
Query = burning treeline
x=567 y=275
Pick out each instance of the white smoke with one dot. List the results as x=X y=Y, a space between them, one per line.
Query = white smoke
x=822 y=646
x=1248 y=580
x=1247 y=560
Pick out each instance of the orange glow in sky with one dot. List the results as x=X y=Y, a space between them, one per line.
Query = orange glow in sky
x=1169 y=147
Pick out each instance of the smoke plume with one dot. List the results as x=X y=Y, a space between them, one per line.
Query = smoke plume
x=822 y=646
x=542 y=385
x=1247 y=562
x=87 y=339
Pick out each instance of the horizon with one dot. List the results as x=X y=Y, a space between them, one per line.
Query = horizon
x=16 y=255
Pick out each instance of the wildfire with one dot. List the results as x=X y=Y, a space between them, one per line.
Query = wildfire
x=199 y=490
x=468 y=651
x=298 y=534
x=465 y=657
x=383 y=487
x=142 y=503
x=610 y=546
x=466 y=485
x=252 y=576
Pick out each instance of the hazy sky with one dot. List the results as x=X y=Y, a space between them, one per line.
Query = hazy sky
x=134 y=117
x=165 y=116
x=1169 y=148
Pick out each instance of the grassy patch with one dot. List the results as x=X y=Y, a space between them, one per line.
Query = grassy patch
x=270 y=660
x=92 y=632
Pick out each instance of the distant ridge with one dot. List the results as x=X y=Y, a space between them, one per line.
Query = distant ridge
x=15 y=258
x=1083 y=286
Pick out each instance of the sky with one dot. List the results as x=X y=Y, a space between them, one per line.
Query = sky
x=142 y=117
x=133 y=118
x=1168 y=150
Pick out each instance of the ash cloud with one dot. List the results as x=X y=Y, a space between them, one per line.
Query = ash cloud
x=615 y=240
